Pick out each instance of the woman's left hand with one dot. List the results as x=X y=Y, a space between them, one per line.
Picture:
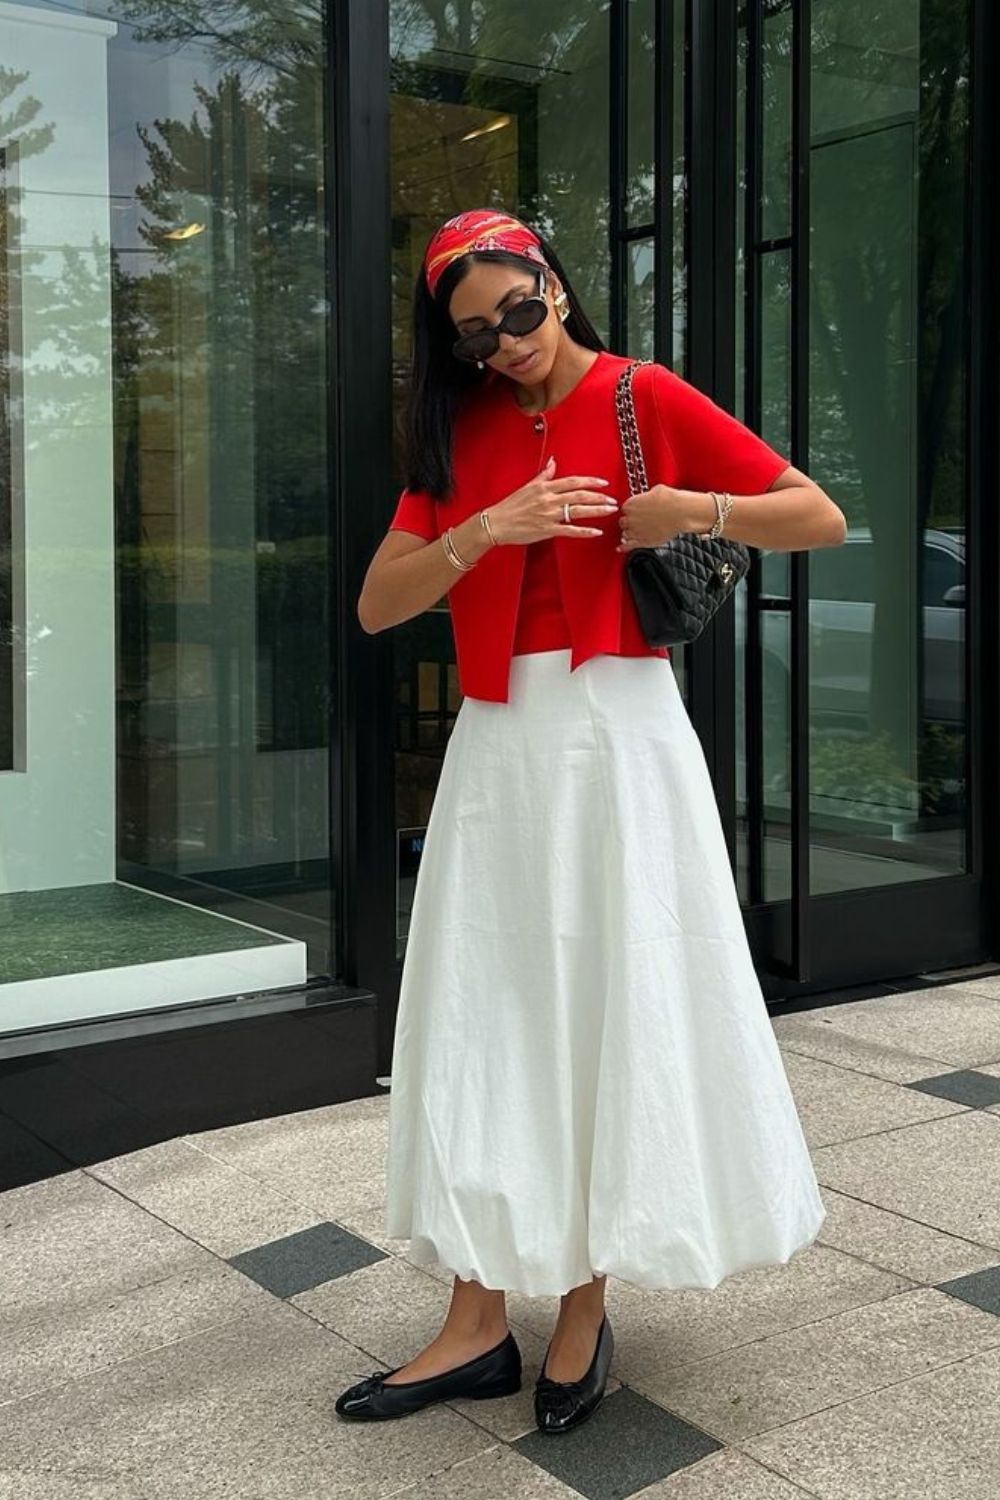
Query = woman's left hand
x=652 y=517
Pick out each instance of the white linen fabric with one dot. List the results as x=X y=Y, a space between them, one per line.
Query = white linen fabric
x=585 y=1078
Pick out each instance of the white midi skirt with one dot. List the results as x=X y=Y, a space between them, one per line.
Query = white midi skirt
x=585 y=1079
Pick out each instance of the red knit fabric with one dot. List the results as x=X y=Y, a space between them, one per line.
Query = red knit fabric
x=506 y=605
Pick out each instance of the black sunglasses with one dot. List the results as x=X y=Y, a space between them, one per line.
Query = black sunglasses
x=524 y=317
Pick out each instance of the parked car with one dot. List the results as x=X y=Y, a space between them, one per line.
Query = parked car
x=841 y=614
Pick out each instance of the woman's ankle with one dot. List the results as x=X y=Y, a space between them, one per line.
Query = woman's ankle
x=476 y=1313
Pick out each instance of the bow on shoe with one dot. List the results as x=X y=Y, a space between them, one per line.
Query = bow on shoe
x=574 y=1387
x=558 y=1398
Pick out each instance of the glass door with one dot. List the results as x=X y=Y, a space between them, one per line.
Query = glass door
x=851 y=688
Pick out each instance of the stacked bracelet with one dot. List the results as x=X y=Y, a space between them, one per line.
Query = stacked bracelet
x=723 y=505
x=451 y=552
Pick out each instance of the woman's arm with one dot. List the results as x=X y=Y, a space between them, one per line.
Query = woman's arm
x=801 y=516
x=712 y=450
x=408 y=574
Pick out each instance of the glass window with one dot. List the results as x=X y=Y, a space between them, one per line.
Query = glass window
x=887 y=424
x=164 y=616
x=640 y=299
x=842 y=573
x=943 y=570
x=886 y=382
x=640 y=20
x=505 y=105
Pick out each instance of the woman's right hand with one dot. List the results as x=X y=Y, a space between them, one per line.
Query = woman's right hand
x=535 y=511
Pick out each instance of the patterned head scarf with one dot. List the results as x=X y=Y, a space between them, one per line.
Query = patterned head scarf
x=478 y=229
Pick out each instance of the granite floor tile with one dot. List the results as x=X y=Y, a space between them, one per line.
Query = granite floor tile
x=988 y=985
x=815 y=1034
x=896 y=1243
x=952 y=1025
x=498 y=1472
x=211 y=1201
x=935 y=1436
x=244 y=1409
x=780 y=1379
x=368 y=1223
x=50 y=1350
x=70 y=1242
x=329 y=1163
x=838 y=1104
x=724 y=1475
x=944 y=1173
x=298 y=1262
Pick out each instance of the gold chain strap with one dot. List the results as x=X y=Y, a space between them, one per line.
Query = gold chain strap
x=628 y=427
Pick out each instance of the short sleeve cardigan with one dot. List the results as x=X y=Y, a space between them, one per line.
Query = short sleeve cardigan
x=688 y=441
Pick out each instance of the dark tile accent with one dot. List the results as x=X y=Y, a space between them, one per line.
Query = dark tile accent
x=625 y=1445
x=981 y=1288
x=964 y=1086
x=298 y=1262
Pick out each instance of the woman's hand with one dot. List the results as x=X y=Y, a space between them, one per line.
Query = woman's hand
x=535 y=511
x=653 y=517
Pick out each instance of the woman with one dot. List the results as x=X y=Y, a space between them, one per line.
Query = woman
x=584 y=1078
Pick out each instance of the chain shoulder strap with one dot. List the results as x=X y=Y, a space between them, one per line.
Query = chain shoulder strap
x=628 y=428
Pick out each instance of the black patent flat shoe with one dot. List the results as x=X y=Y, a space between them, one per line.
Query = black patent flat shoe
x=495 y=1373
x=562 y=1404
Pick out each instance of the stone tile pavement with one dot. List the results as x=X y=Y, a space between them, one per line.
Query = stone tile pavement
x=178 y=1322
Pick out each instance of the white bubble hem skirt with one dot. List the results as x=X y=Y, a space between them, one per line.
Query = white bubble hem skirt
x=585 y=1078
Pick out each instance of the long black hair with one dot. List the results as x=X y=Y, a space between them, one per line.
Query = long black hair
x=439 y=381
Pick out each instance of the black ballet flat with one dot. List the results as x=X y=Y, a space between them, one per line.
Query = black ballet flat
x=495 y=1373
x=562 y=1404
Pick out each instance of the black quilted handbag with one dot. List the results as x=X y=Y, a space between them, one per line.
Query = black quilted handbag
x=677 y=587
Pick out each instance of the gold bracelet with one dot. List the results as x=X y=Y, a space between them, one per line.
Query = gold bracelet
x=484 y=518
x=452 y=553
x=713 y=496
x=722 y=508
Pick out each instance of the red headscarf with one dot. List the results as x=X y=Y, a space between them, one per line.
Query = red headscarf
x=478 y=229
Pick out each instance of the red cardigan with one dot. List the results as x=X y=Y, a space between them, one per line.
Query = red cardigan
x=688 y=442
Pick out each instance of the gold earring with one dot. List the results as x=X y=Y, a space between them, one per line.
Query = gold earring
x=562 y=302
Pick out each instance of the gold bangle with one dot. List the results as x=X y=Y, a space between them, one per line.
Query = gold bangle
x=484 y=518
x=451 y=551
x=718 y=511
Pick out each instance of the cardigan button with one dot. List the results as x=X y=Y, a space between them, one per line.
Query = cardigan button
x=539 y=424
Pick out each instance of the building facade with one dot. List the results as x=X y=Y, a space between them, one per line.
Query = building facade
x=213 y=784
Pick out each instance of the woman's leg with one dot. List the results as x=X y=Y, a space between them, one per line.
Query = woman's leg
x=476 y=1321
x=574 y=1338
